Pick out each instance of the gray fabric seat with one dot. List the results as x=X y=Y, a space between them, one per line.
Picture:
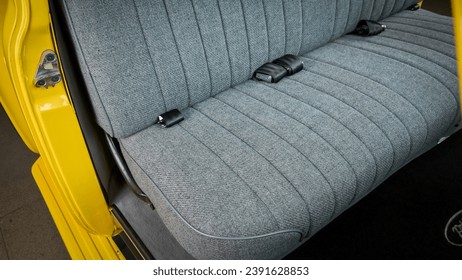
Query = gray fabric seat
x=255 y=168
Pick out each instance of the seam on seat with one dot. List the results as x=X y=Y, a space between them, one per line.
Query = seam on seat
x=417 y=53
x=419 y=35
x=272 y=164
x=371 y=97
x=451 y=93
x=348 y=105
x=301 y=34
x=372 y=9
x=267 y=29
x=235 y=172
x=335 y=120
x=348 y=17
x=395 y=26
x=178 y=51
x=402 y=5
x=383 y=10
x=86 y=66
x=203 y=47
x=327 y=142
x=226 y=43
x=150 y=54
x=388 y=20
x=335 y=21
x=247 y=36
x=428 y=18
x=380 y=83
x=285 y=26
x=173 y=209
x=415 y=43
x=319 y=135
x=402 y=62
x=394 y=6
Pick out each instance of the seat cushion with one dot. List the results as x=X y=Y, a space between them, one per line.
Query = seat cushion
x=257 y=169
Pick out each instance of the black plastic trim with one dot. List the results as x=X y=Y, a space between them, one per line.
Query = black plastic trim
x=131 y=239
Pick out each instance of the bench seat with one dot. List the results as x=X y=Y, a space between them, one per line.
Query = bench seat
x=257 y=169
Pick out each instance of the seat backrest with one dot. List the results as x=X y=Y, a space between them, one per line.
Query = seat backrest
x=142 y=58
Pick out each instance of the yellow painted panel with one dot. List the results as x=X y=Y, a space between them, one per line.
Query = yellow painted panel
x=47 y=122
x=79 y=242
x=457 y=13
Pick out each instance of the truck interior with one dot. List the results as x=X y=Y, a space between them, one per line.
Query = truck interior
x=295 y=129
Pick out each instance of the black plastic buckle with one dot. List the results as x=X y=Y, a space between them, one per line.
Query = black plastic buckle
x=270 y=73
x=369 y=28
x=170 y=118
x=291 y=63
x=414 y=7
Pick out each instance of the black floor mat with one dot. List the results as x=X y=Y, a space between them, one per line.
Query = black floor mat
x=404 y=218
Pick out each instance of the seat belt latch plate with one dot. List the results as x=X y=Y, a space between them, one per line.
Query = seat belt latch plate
x=170 y=118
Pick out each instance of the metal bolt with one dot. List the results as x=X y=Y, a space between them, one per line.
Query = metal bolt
x=50 y=57
x=40 y=83
x=56 y=79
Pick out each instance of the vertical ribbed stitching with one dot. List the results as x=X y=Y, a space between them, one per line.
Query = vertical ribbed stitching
x=267 y=29
x=285 y=25
x=335 y=196
x=226 y=43
x=380 y=83
x=434 y=61
x=371 y=97
x=418 y=35
x=447 y=22
x=382 y=10
x=234 y=171
x=183 y=219
x=349 y=165
x=282 y=173
x=302 y=24
x=391 y=20
x=248 y=39
x=150 y=55
x=451 y=44
x=269 y=162
x=426 y=14
x=401 y=62
x=394 y=9
x=348 y=17
x=203 y=47
x=88 y=68
x=360 y=113
x=178 y=51
x=335 y=120
x=402 y=5
x=335 y=20
x=420 y=45
x=372 y=10
x=451 y=93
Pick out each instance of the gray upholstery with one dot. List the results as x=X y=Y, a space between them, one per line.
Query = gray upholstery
x=255 y=169
x=160 y=55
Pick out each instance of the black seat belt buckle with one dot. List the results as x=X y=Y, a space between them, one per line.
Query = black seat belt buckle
x=414 y=7
x=270 y=73
x=170 y=118
x=290 y=62
x=369 y=28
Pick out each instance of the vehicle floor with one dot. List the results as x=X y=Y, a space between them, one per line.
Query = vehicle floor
x=404 y=218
